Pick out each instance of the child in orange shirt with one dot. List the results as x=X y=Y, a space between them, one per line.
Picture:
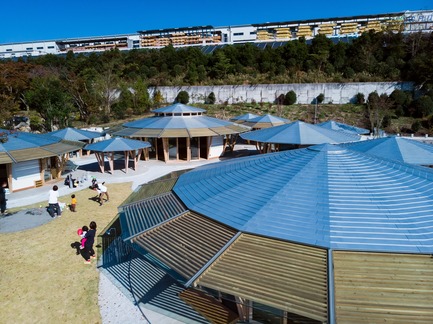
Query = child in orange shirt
x=73 y=203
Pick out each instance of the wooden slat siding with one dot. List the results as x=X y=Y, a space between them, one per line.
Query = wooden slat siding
x=201 y=132
x=280 y=274
x=383 y=287
x=186 y=243
x=30 y=154
x=5 y=158
x=173 y=133
x=209 y=307
x=148 y=132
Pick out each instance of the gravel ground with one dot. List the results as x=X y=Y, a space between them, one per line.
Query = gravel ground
x=117 y=307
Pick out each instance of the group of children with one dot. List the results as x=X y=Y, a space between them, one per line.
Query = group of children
x=85 y=247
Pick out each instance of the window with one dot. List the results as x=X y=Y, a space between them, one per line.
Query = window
x=9 y=50
x=50 y=47
x=39 y=48
x=29 y=49
x=135 y=41
x=238 y=34
x=253 y=33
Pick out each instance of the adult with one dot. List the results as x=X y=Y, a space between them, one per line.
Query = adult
x=3 y=197
x=53 y=202
x=87 y=252
x=103 y=191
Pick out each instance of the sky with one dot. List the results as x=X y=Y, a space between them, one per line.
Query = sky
x=32 y=20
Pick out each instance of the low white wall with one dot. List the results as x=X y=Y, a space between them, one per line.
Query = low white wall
x=337 y=93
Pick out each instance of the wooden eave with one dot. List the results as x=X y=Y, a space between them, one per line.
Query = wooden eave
x=383 y=287
x=186 y=243
x=280 y=274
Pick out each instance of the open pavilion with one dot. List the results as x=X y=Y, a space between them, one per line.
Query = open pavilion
x=131 y=150
x=295 y=135
x=180 y=132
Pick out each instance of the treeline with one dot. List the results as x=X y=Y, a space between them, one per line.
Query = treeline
x=112 y=85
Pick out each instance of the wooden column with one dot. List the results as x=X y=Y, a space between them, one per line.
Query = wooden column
x=188 y=149
x=165 y=147
x=111 y=161
x=126 y=157
x=100 y=158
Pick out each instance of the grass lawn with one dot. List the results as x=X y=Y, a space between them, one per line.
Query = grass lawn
x=42 y=280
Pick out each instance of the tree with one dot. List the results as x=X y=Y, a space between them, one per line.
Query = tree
x=423 y=106
x=210 y=100
x=360 y=99
x=51 y=101
x=158 y=99
x=378 y=107
x=182 y=97
x=401 y=101
x=290 y=98
x=140 y=97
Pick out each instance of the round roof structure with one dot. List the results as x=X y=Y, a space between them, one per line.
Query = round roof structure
x=75 y=134
x=179 y=120
x=325 y=195
x=266 y=121
x=396 y=148
x=178 y=108
x=299 y=133
x=243 y=118
x=330 y=124
x=117 y=144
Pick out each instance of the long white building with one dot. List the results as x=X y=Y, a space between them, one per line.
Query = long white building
x=260 y=34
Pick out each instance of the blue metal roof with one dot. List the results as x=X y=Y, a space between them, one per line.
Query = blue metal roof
x=16 y=140
x=268 y=119
x=299 y=133
x=178 y=122
x=75 y=134
x=117 y=144
x=244 y=117
x=330 y=124
x=179 y=108
x=396 y=148
x=324 y=195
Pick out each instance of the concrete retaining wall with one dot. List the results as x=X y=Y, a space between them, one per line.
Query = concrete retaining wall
x=337 y=93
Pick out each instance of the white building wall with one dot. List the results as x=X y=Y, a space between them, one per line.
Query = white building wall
x=337 y=93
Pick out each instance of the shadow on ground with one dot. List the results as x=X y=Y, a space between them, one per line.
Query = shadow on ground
x=152 y=287
x=24 y=219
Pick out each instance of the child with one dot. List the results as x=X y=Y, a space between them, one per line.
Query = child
x=73 y=203
x=82 y=233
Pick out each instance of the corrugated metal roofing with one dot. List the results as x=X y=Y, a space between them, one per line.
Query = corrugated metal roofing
x=396 y=148
x=299 y=133
x=283 y=275
x=186 y=243
x=324 y=195
x=149 y=190
x=140 y=216
x=266 y=121
x=117 y=144
x=330 y=124
x=75 y=134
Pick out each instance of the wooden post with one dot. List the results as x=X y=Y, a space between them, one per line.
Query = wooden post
x=126 y=157
x=165 y=147
x=111 y=161
x=188 y=149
